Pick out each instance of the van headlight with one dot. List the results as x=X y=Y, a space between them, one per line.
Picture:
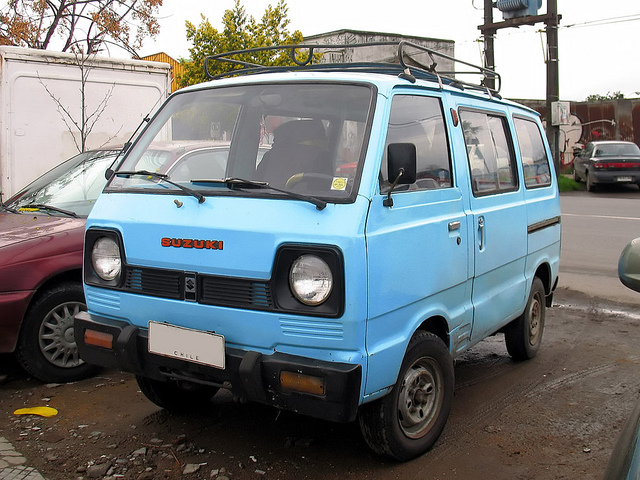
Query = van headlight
x=106 y=259
x=310 y=279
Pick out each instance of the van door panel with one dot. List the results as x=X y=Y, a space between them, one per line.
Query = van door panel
x=500 y=221
x=418 y=257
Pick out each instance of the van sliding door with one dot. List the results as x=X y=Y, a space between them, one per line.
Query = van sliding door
x=499 y=222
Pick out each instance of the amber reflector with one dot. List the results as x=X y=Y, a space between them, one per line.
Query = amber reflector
x=302 y=383
x=99 y=339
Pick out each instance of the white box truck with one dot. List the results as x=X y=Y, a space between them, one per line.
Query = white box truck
x=41 y=107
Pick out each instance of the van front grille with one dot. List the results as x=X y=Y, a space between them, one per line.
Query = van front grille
x=231 y=292
x=210 y=290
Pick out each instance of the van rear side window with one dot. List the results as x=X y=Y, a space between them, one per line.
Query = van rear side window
x=535 y=162
x=491 y=161
x=419 y=120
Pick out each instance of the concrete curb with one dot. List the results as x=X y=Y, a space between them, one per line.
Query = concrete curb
x=12 y=464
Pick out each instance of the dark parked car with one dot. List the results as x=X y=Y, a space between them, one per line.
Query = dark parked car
x=41 y=238
x=624 y=463
x=607 y=162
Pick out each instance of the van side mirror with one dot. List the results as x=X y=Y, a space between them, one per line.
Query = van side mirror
x=629 y=265
x=401 y=167
x=401 y=158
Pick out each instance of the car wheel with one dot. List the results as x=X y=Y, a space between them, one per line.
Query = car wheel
x=576 y=177
x=407 y=422
x=176 y=395
x=591 y=187
x=523 y=335
x=47 y=348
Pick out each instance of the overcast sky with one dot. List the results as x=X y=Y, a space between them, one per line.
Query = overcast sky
x=599 y=41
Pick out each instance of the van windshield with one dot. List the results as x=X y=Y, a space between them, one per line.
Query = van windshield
x=306 y=138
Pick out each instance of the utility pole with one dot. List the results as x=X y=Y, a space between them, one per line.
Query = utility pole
x=488 y=35
x=551 y=20
x=553 y=84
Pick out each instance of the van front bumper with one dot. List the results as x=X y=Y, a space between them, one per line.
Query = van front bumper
x=248 y=374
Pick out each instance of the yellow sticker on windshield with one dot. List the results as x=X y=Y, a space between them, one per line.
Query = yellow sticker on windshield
x=339 y=183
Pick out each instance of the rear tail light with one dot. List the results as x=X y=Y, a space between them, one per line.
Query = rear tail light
x=616 y=165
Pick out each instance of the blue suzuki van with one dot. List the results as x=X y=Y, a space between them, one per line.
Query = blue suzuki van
x=325 y=239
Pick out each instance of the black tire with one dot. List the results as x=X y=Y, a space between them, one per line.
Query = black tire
x=46 y=347
x=523 y=336
x=176 y=396
x=591 y=187
x=408 y=421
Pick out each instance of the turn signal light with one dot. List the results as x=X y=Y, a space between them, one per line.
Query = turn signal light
x=98 y=339
x=302 y=383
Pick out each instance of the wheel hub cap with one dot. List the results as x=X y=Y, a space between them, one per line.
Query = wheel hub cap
x=420 y=399
x=57 y=340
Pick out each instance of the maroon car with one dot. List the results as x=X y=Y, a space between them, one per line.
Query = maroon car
x=41 y=238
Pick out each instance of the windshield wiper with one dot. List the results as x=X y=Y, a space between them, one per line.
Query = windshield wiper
x=42 y=206
x=240 y=182
x=164 y=178
x=8 y=208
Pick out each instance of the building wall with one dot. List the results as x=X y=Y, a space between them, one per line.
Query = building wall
x=381 y=53
x=590 y=121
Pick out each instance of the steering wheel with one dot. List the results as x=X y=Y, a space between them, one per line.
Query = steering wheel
x=295 y=179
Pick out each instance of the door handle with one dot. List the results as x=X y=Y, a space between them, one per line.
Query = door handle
x=454 y=226
x=481 y=232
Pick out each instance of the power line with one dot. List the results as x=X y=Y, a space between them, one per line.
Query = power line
x=604 y=21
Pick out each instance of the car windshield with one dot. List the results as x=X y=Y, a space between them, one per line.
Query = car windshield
x=616 y=149
x=71 y=188
x=301 y=138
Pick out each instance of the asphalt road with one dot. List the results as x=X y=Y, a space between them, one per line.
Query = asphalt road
x=595 y=228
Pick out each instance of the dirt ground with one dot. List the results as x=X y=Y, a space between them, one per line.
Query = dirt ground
x=554 y=417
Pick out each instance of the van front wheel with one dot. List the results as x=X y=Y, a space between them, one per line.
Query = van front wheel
x=524 y=334
x=176 y=395
x=408 y=421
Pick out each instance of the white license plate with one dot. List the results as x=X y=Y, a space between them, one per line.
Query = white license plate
x=623 y=179
x=195 y=346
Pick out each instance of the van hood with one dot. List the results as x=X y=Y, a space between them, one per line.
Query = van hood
x=16 y=227
x=228 y=236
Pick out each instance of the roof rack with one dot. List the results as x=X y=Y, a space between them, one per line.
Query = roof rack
x=308 y=57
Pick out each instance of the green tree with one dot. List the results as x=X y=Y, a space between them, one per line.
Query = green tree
x=609 y=96
x=240 y=31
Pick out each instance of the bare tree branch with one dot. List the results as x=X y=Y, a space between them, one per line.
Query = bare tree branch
x=79 y=25
x=85 y=125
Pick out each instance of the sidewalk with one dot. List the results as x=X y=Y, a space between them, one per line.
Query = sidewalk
x=12 y=464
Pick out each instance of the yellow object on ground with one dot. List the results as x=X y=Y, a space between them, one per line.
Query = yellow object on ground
x=41 y=411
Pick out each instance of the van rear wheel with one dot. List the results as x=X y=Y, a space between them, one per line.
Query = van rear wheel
x=408 y=421
x=523 y=335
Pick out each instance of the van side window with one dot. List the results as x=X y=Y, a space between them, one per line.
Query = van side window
x=419 y=120
x=491 y=161
x=535 y=162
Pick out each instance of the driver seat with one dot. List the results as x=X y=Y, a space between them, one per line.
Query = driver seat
x=299 y=146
